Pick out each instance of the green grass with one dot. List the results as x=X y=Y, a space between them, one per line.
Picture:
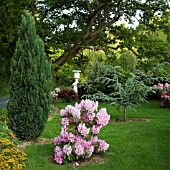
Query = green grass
x=133 y=146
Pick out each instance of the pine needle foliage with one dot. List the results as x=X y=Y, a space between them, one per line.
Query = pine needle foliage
x=29 y=104
x=126 y=94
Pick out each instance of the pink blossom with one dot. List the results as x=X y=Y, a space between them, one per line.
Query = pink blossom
x=102 y=117
x=167 y=85
x=94 y=139
x=87 y=104
x=58 y=152
x=64 y=121
x=84 y=117
x=64 y=136
x=58 y=160
x=79 y=149
x=58 y=156
x=90 y=151
x=86 y=144
x=79 y=139
x=57 y=140
x=83 y=130
x=103 y=146
x=63 y=112
x=73 y=111
x=96 y=129
x=67 y=149
x=57 y=149
x=160 y=85
x=163 y=94
x=64 y=128
x=91 y=116
x=71 y=137
x=166 y=96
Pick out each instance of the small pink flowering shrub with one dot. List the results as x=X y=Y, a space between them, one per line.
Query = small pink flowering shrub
x=164 y=89
x=78 y=137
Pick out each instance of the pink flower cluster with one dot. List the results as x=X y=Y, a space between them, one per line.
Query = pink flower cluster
x=80 y=126
x=164 y=89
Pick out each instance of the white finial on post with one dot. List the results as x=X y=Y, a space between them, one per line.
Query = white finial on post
x=76 y=77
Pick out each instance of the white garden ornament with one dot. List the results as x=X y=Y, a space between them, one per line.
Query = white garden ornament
x=76 y=77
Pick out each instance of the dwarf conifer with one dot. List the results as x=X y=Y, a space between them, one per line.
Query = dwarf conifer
x=28 y=107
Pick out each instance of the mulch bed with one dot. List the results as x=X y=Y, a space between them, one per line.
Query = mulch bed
x=97 y=159
x=119 y=121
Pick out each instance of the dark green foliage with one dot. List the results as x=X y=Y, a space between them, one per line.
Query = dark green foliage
x=10 y=18
x=67 y=95
x=124 y=94
x=29 y=104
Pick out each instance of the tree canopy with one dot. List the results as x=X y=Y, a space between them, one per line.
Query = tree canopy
x=74 y=25
x=10 y=18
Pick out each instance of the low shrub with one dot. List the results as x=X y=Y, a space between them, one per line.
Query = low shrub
x=3 y=115
x=81 y=125
x=67 y=95
x=10 y=156
x=164 y=90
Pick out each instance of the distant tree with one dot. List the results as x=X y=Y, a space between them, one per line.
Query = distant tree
x=149 y=44
x=28 y=107
x=127 y=61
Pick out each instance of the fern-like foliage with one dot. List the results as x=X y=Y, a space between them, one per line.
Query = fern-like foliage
x=128 y=94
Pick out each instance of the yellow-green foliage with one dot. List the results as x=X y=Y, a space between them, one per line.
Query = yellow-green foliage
x=3 y=115
x=10 y=156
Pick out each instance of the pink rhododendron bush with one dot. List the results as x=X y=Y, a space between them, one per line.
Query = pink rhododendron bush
x=78 y=138
x=164 y=89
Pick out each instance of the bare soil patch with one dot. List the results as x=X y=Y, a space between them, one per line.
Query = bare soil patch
x=38 y=141
x=97 y=159
x=54 y=110
x=119 y=121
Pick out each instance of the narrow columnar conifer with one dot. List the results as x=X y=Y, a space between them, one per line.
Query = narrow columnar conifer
x=29 y=104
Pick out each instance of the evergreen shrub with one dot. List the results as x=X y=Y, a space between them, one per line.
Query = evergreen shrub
x=30 y=98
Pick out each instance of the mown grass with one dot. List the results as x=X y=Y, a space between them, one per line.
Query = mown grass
x=133 y=146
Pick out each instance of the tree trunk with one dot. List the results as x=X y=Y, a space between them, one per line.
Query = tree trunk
x=124 y=114
x=69 y=54
x=33 y=7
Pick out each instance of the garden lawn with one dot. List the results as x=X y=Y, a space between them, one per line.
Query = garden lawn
x=133 y=145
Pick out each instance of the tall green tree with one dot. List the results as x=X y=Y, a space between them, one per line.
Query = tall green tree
x=76 y=24
x=28 y=107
